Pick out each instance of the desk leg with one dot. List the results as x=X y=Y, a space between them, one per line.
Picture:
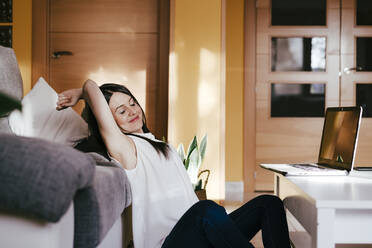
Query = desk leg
x=276 y=185
x=324 y=237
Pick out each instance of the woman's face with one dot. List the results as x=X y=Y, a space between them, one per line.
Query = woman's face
x=127 y=113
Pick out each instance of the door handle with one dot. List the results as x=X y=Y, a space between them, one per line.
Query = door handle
x=348 y=70
x=58 y=54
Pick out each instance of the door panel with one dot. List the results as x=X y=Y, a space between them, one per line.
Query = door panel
x=104 y=16
x=283 y=140
x=104 y=58
x=350 y=31
x=113 y=41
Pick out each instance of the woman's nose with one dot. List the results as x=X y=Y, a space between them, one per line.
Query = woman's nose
x=132 y=111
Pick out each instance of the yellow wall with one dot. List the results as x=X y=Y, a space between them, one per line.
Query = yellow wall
x=22 y=36
x=195 y=86
x=234 y=89
x=196 y=82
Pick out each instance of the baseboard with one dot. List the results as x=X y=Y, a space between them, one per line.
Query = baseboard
x=234 y=191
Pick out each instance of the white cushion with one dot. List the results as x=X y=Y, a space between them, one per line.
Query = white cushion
x=39 y=117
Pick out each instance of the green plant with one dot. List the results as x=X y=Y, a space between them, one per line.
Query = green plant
x=193 y=159
x=8 y=103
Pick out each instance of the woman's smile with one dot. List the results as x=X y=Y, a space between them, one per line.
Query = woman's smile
x=134 y=119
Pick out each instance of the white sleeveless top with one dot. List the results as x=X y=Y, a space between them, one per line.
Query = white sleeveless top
x=161 y=193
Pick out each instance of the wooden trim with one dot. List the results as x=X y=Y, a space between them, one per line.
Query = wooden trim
x=223 y=101
x=40 y=40
x=171 y=77
x=157 y=92
x=163 y=69
x=249 y=132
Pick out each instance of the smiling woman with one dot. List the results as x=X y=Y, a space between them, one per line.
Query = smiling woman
x=127 y=113
x=158 y=180
x=112 y=113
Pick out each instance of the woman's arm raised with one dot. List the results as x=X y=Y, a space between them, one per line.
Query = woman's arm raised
x=118 y=144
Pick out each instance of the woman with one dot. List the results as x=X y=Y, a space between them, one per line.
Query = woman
x=166 y=212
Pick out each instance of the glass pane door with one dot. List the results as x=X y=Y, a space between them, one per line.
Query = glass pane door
x=356 y=69
x=297 y=77
x=304 y=67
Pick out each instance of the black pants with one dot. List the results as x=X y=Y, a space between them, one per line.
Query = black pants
x=206 y=224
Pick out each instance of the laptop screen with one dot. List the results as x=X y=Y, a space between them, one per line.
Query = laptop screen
x=339 y=139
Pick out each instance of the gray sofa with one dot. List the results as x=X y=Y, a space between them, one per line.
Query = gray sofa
x=52 y=195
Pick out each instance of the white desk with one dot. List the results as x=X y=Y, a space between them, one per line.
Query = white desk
x=332 y=209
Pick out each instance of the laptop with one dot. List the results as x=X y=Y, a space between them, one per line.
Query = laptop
x=337 y=147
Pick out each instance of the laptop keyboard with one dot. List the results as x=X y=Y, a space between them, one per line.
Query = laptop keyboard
x=308 y=167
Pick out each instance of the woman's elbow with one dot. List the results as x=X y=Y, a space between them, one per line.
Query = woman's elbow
x=89 y=83
x=90 y=89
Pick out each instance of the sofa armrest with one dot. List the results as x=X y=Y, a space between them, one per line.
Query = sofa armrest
x=99 y=206
x=39 y=178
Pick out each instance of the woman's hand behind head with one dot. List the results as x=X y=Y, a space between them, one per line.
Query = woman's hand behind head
x=68 y=98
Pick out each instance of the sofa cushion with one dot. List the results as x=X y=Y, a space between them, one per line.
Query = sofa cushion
x=39 y=117
x=10 y=80
x=39 y=178
x=98 y=207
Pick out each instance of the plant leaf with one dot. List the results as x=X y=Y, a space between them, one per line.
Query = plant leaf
x=187 y=162
x=193 y=166
x=192 y=146
x=199 y=161
x=181 y=152
x=203 y=146
x=8 y=103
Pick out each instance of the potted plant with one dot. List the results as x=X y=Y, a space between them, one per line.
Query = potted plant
x=192 y=161
x=7 y=104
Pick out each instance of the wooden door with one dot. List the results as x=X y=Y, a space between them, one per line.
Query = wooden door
x=347 y=79
x=356 y=74
x=115 y=41
x=280 y=138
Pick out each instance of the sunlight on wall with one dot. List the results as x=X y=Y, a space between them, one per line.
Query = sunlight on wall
x=134 y=81
x=195 y=82
x=208 y=101
x=173 y=95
